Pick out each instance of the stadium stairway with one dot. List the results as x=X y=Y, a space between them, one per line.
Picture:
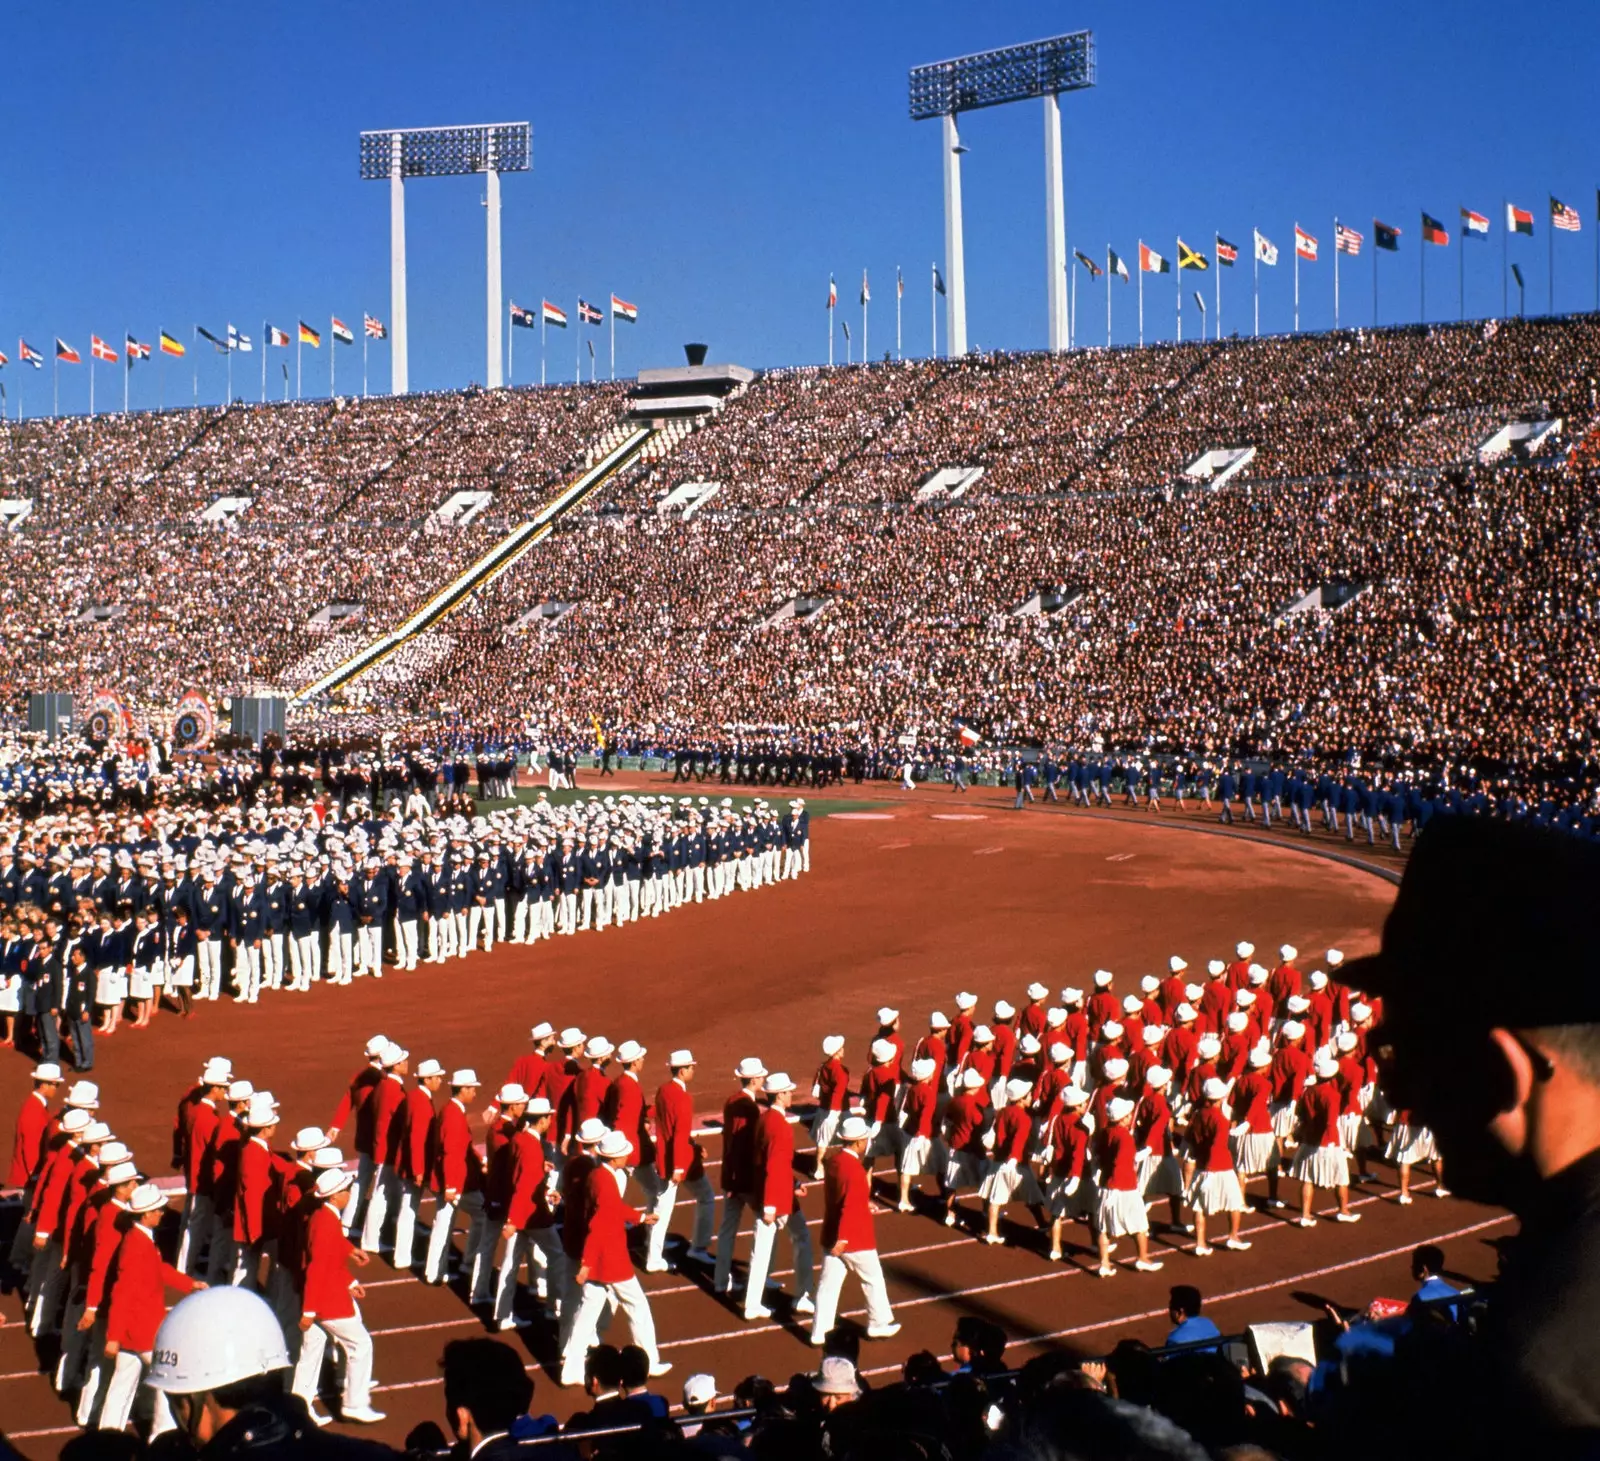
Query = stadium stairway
x=612 y=454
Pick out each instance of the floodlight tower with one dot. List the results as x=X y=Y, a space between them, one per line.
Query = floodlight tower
x=944 y=89
x=440 y=152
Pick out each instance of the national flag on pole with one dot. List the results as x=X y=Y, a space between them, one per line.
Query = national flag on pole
x=1150 y=262
x=341 y=331
x=65 y=352
x=100 y=350
x=28 y=355
x=376 y=329
x=524 y=318
x=1563 y=217
x=1346 y=240
x=833 y=291
x=622 y=310
x=1116 y=265
x=588 y=314
x=558 y=317
x=1305 y=246
x=276 y=336
x=4 y=359
x=899 y=283
x=866 y=294
x=1266 y=250
x=1385 y=237
x=239 y=342
x=1518 y=220
x=964 y=732
x=1095 y=271
x=938 y=280
x=1474 y=223
x=169 y=346
x=135 y=350
x=222 y=345
x=1434 y=232
x=310 y=337
x=1227 y=253
x=1189 y=258
x=1516 y=273
x=845 y=326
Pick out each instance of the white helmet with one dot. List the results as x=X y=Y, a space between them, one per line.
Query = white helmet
x=214 y=1338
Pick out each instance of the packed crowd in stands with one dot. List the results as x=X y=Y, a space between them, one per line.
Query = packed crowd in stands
x=1467 y=645
x=1096 y=1114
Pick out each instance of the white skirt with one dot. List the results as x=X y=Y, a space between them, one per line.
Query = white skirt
x=1214 y=1192
x=110 y=986
x=1409 y=1145
x=1158 y=1176
x=1253 y=1151
x=141 y=982
x=1283 y=1120
x=1007 y=1182
x=823 y=1126
x=962 y=1169
x=1354 y=1131
x=180 y=972
x=1082 y=1203
x=1323 y=1166
x=10 y=995
x=921 y=1154
x=1121 y=1214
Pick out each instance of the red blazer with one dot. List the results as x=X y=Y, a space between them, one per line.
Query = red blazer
x=1005 y=1047
x=110 y=1225
x=922 y=1100
x=497 y=1179
x=139 y=1282
x=574 y=1205
x=355 y=1097
x=180 y=1125
x=625 y=1111
x=80 y=1242
x=202 y=1122
x=1012 y=1128
x=847 y=1210
x=328 y=1278
x=774 y=1158
x=85 y=1176
x=1033 y=1020
x=456 y=1165
x=528 y=1206
x=27 y=1149
x=833 y=1084
x=387 y=1098
x=1069 y=1141
x=298 y=1205
x=877 y=1091
x=255 y=1187
x=54 y=1173
x=415 y=1120
x=532 y=1073
x=222 y=1161
x=739 y=1117
x=674 y=1127
x=1319 y=1114
x=605 y=1243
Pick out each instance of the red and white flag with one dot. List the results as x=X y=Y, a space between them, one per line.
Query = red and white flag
x=100 y=350
x=1305 y=246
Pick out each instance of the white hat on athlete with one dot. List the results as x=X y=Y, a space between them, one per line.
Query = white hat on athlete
x=1292 y=1029
x=972 y=1080
x=1158 y=1077
x=1208 y=1047
x=887 y=1016
x=1336 y=957
x=428 y=1069
x=882 y=1052
x=1177 y=964
x=1119 y=1108
x=1059 y=1054
x=1111 y=1030
x=597 y=1047
x=1326 y=1067
x=334 y=1179
x=466 y=1077
x=542 y=1031
x=630 y=1051
x=570 y=1038
x=1003 y=1009
x=854 y=1128
x=1149 y=984
x=1037 y=991
x=923 y=1069
x=1184 y=1013
x=116 y=1173
x=1288 y=953
x=680 y=1059
x=938 y=1020
x=966 y=1001
x=1244 y=949
x=1115 y=1068
x=1319 y=980
x=831 y=1046
x=614 y=1144
x=592 y=1132
x=1214 y=1089
x=308 y=1139
x=1238 y=1022
x=1029 y=1045
x=1103 y=978
x=779 y=1083
x=147 y=1197
x=1018 y=1090
x=511 y=1094
x=1154 y=1034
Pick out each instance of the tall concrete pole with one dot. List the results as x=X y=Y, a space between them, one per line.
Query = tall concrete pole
x=398 y=378
x=1055 y=227
x=493 y=378
x=955 y=270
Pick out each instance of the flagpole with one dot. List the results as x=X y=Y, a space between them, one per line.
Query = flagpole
x=1422 y=278
x=1374 y=273
x=266 y=345
x=1108 y=296
x=900 y=289
x=127 y=369
x=511 y=349
x=577 y=349
x=831 y=288
x=230 y=375
x=933 y=305
x=1550 y=235
x=1336 y=271
x=1297 y=278
x=1072 y=307
x=299 y=346
x=1461 y=278
x=1178 y=275
x=613 y=344
x=91 y=383
x=194 y=344
x=866 y=304
x=55 y=385
x=1141 y=292
x=364 y=355
x=1218 y=255
x=1255 y=278
x=543 y=329
x=1505 y=247
x=333 y=356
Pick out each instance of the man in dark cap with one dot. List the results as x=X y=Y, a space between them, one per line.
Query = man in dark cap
x=1490 y=978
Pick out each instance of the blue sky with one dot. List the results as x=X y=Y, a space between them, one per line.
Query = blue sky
x=178 y=163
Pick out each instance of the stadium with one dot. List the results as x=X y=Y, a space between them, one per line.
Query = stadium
x=813 y=909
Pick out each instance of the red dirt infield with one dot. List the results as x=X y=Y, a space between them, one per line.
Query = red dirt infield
x=906 y=909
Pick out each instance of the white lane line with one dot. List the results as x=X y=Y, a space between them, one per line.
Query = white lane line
x=458 y=1323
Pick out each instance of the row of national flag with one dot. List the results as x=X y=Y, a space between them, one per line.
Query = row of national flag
x=233 y=342
x=1346 y=240
x=588 y=314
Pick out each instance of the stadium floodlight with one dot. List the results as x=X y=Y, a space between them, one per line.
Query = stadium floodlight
x=944 y=89
x=441 y=152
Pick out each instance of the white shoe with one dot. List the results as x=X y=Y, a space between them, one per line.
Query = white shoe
x=1106 y=1270
x=1347 y=1217
x=1147 y=1265
x=1203 y=1252
x=662 y=1267
x=950 y=1219
x=882 y=1331
x=751 y=1315
x=905 y=1207
x=993 y=1238
x=803 y=1305
x=1441 y=1192
x=1236 y=1245
x=1305 y=1222
x=660 y=1368
x=365 y=1415
x=318 y=1417
x=1405 y=1199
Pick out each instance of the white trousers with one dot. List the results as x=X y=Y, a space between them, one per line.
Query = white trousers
x=351 y=1336
x=705 y=1203
x=542 y=1248
x=477 y=1256
x=302 y=961
x=408 y=1200
x=247 y=971
x=341 y=956
x=369 y=951
x=592 y=1300
x=567 y=922
x=126 y=1377
x=196 y=1224
x=384 y=1190
x=210 y=958
x=866 y=1267
x=407 y=942
x=272 y=960
x=761 y=1259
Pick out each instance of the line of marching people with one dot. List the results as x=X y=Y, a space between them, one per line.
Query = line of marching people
x=1094 y=1109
